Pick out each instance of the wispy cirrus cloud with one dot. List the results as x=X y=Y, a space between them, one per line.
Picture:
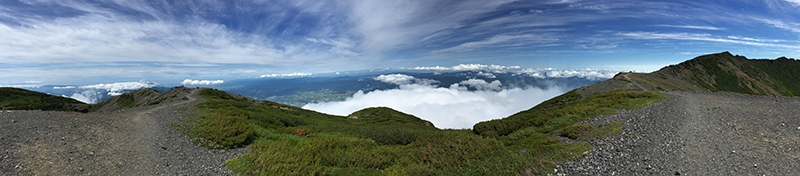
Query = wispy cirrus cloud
x=701 y=37
x=693 y=27
x=780 y=24
x=211 y=39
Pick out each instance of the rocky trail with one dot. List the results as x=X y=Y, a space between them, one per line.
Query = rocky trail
x=137 y=141
x=699 y=133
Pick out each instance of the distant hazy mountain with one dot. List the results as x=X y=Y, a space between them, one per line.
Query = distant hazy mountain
x=302 y=90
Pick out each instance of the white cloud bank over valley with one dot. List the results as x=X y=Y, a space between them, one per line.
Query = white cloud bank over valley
x=452 y=107
x=93 y=93
x=201 y=82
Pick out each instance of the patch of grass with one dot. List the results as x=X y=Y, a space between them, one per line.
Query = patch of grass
x=575 y=131
x=226 y=131
x=243 y=164
x=603 y=131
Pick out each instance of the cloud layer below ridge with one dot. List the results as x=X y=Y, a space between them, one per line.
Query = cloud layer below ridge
x=447 y=107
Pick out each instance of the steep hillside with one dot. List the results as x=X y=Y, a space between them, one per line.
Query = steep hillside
x=21 y=99
x=728 y=73
x=143 y=97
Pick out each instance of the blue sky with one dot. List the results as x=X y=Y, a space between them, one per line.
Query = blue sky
x=90 y=42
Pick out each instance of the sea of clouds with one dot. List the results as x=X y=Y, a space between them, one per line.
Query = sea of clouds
x=454 y=106
x=94 y=93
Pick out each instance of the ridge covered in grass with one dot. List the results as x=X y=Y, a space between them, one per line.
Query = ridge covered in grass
x=727 y=73
x=21 y=99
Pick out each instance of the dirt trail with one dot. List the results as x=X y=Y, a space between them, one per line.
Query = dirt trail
x=635 y=83
x=136 y=141
x=699 y=134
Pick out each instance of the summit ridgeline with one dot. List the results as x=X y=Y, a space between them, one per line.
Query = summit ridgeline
x=725 y=72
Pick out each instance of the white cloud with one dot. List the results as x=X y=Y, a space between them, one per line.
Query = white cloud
x=588 y=73
x=693 y=27
x=584 y=73
x=402 y=80
x=703 y=37
x=794 y=2
x=445 y=107
x=388 y=25
x=487 y=75
x=21 y=86
x=285 y=75
x=399 y=79
x=481 y=84
x=491 y=41
x=87 y=96
x=201 y=82
x=115 y=89
x=65 y=87
x=468 y=67
x=755 y=39
x=789 y=26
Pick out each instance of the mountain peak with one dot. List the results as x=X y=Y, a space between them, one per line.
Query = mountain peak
x=728 y=73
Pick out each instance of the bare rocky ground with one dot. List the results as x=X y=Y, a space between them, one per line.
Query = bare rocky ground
x=699 y=133
x=136 y=141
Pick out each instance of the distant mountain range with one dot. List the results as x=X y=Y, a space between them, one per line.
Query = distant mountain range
x=301 y=89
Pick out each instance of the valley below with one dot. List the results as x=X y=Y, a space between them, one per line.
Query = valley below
x=689 y=133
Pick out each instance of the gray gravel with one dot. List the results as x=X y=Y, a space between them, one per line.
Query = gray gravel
x=136 y=141
x=703 y=133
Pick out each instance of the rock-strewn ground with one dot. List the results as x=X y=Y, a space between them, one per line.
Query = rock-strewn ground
x=136 y=141
x=700 y=133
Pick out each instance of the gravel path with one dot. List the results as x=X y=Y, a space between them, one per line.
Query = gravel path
x=701 y=133
x=136 y=141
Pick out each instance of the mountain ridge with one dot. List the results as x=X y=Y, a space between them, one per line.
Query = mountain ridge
x=728 y=73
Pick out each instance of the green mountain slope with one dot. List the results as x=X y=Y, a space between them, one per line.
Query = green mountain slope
x=382 y=141
x=728 y=73
x=21 y=99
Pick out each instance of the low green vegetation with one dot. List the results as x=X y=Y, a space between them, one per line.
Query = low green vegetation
x=287 y=140
x=565 y=110
x=575 y=131
x=724 y=80
x=21 y=99
x=786 y=72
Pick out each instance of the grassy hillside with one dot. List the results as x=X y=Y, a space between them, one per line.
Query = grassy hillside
x=287 y=140
x=21 y=99
x=728 y=73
